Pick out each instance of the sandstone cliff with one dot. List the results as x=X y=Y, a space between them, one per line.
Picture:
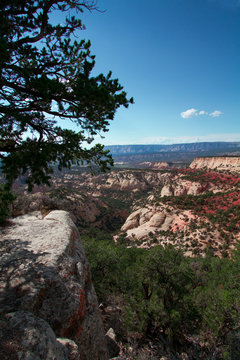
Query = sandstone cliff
x=115 y=180
x=48 y=305
x=219 y=163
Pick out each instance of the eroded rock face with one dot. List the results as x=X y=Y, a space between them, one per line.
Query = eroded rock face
x=45 y=272
x=152 y=219
x=126 y=180
x=142 y=221
x=181 y=187
x=231 y=163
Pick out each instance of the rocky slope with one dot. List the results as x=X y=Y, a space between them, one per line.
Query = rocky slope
x=120 y=180
x=48 y=305
x=162 y=225
x=231 y=164
x=86 y=210
x=196 y=210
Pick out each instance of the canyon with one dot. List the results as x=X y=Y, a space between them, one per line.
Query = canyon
x=195 y=209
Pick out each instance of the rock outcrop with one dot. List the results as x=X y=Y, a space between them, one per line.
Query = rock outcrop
x=45 y=281
x=127 y=180
x=160 y=165
x=24 y=336
x=181 y=187
x=229 y=163
x=84 y=208
x=151 y=219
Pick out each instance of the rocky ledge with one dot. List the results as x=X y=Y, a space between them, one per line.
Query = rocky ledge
x=229 y=163
x=48 y=305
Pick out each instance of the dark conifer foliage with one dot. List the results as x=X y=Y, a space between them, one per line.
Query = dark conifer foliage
x=45 y=75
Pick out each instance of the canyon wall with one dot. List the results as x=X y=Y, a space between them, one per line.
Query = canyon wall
x=231 y=163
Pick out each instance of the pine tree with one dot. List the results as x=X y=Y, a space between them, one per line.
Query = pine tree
x=45 y=79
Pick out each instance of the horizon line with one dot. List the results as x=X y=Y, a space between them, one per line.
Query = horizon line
x=182 y=143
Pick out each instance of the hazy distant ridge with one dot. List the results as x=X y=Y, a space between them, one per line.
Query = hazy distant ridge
x=186 y=147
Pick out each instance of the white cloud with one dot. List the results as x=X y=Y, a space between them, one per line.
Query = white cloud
x=189 y=113
x=202 y=112
x=216 y=113
x=193 y=112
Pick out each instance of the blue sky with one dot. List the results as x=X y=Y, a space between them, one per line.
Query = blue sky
x=179 y=59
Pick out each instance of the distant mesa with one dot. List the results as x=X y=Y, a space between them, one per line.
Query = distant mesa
x=190 y=147
x=220 y=163
x=230 y=163
x=176 y=153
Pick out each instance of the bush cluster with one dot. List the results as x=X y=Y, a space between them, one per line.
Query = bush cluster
x=168 y=294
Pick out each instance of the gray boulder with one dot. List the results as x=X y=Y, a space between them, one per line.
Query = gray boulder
x=23 y=336
x=44 y=271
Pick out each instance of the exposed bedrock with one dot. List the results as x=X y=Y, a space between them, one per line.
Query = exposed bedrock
x=45 y=274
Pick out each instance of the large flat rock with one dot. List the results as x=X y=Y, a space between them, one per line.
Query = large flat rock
x=44 y=271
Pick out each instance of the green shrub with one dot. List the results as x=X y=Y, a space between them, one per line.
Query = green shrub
x=166 y=293
x=6 y=199
x=162 y=301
